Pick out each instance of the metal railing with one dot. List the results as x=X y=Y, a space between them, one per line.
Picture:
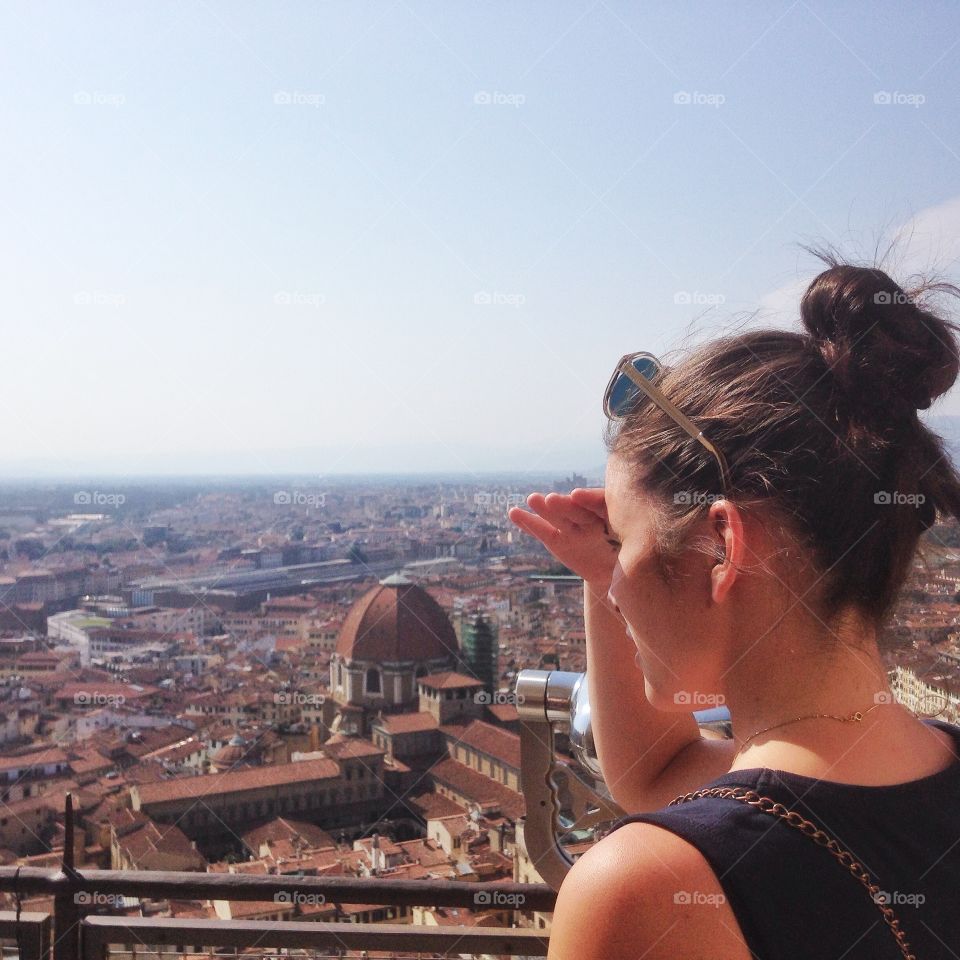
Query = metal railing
x=73 y=932
x=78 y=935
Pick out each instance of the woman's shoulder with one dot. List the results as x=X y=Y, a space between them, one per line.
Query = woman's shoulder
x=643 y=890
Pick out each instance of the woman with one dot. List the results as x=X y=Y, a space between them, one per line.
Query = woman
x=753 y=565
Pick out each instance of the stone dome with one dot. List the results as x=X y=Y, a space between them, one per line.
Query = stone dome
x=395 y=622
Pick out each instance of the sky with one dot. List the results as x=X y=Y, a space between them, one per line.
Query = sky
x=410 y=236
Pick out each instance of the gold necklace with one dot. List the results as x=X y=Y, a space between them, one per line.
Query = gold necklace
x=852 y=718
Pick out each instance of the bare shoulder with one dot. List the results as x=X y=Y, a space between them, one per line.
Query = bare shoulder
x=644 y=891
x=696 y=764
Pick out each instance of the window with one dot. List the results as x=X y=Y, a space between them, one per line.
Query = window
x=373 y=680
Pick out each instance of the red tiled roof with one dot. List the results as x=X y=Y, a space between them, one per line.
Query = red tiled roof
x=454 y=730
x=397 y=622
x=504 y=712
x=351 y=748
x=407 y=722
x=434 y=805
x=284 y=829
x=425 y=851
x=153 y=846
x=448 y=680
x=493 y=741
x=477 y=788
x=276 y=774
x=41 y=657
x=38 y=759
x=385 y=844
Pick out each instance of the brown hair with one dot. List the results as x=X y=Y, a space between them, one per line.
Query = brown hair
x=820 y=426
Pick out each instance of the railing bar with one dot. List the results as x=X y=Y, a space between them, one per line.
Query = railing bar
x=202 y=886
x=318 y=935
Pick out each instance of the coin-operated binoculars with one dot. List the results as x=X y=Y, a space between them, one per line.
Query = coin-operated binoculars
x=563 y=797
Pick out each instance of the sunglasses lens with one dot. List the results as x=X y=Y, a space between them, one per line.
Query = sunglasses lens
x=624 y=393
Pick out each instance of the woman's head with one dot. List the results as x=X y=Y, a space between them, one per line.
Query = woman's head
x=832 y=472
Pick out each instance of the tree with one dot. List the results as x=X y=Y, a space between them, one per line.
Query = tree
x=356 y=555
x=29 y=547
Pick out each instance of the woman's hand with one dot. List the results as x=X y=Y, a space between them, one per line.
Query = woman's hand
x=573 y=527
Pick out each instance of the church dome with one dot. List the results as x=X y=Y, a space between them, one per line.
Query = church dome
x=397 y=621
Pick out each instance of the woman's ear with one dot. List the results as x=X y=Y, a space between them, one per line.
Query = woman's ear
x=727 y=536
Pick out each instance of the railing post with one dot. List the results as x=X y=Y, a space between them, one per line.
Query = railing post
x=30 y=930
x=66 y=915
x=35 y=940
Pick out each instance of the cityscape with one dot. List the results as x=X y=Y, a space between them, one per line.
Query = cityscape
x=310 y=680
x=309 y=307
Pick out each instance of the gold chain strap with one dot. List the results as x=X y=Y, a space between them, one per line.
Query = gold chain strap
x=844 y=857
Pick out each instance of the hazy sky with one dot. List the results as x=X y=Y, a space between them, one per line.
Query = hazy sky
x=345 y=236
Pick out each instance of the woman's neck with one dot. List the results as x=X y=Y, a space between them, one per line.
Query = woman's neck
x=817 y=676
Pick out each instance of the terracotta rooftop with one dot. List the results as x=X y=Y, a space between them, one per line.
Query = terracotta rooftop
x=504 y=712
x=425 y=851
x=395 y=723
x=494 y=741
x=449 y=680
x=37 y=759
x=435 y=805
x=285 y=829
x=396 y=622
x=476 y=788
x=387 y=846
x=152 y=846
x=271 y=775
x=350 y=748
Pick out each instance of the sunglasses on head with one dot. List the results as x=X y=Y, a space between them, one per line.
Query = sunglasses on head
x=632 y=380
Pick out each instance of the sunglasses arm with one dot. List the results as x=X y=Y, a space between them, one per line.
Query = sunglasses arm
x=657 y=396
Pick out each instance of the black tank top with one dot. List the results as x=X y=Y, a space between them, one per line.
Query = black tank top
x=794 y=900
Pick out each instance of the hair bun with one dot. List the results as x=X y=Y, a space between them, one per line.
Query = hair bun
x=889 y=355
